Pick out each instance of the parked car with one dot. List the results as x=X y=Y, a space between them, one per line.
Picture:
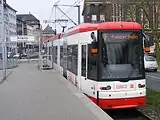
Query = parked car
x=9 y=54
x=150 y=63
x=16 y=55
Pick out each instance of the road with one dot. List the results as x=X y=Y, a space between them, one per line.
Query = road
x=153 y=80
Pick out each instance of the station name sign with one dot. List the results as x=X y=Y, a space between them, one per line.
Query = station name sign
x=22 y=39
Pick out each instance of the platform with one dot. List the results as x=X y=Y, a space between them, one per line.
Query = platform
x=30 y=94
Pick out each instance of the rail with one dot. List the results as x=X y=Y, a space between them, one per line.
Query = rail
x=128 y=114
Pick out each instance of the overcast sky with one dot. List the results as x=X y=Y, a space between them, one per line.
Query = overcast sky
x=42 y=9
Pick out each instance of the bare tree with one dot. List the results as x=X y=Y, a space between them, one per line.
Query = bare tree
x=151 y=11
x=147 y=13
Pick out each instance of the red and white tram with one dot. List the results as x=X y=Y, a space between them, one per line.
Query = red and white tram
x=104 y=60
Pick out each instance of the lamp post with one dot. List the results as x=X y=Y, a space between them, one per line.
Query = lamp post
x=3 y=41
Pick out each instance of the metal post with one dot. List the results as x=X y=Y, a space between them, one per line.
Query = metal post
x=39 y=41
x=28 y=52
x=3 y=40
x=55 y=20
x=79 y=16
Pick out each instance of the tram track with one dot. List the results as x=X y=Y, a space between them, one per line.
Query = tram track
x=127 y=114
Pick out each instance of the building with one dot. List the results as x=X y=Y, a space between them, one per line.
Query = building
x=9 y=24
x=29 y=19
x=29 y=25
x=11 y=27
x=107 y=10
x=12 y=21
x=48 y=32
x=118 y=10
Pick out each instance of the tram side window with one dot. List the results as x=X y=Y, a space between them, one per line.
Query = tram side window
x=55 y=54
x=83 y=67
x=50 y=52
x=61 y=56
x=75 y=59
x=56 y=50
x=69 y=58
x=72 y=59
x=92 y=64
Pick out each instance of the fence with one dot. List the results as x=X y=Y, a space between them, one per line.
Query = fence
x=10 y=63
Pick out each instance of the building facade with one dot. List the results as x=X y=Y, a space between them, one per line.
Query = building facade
x=30 y=30
x=12 y=21
x=9 y=24
x=48 y=32
x=30 y=20
x=28 y=24
x=121 y=10
x=20 y=26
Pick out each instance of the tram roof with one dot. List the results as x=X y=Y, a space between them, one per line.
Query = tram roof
x=85 y=27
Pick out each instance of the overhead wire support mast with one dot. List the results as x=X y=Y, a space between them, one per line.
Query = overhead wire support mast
x=78 y=6
x=65 y=15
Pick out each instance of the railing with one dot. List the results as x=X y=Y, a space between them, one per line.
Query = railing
x=45 y=62
x=10 y=63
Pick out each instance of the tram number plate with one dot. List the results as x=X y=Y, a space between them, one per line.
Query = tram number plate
x=125 y=86
x=121 y=86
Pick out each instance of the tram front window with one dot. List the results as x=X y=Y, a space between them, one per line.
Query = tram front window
x=122 y=56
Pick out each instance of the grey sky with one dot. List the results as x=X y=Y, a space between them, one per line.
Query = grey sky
x=42 y=9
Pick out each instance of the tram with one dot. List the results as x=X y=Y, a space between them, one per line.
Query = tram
x=104 y=60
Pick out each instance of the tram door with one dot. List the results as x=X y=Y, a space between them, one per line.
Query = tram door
x=83 y=67
x=87 y=86
x=65 y=58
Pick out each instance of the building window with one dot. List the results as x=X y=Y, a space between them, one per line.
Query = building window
x=94 y=18
x=102 y=18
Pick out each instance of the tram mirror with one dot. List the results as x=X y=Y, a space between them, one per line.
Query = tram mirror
x=147 y=41
x=94 y=49
x=93 y=37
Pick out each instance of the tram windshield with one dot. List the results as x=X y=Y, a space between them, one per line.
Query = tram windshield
x=121 y=55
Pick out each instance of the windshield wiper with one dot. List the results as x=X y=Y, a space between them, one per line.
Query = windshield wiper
x=104 y=51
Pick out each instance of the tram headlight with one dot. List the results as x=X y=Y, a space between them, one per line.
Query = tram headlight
x=106 y=88
x=141 y=85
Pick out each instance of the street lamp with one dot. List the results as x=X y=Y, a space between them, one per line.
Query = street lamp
x=3 y=40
